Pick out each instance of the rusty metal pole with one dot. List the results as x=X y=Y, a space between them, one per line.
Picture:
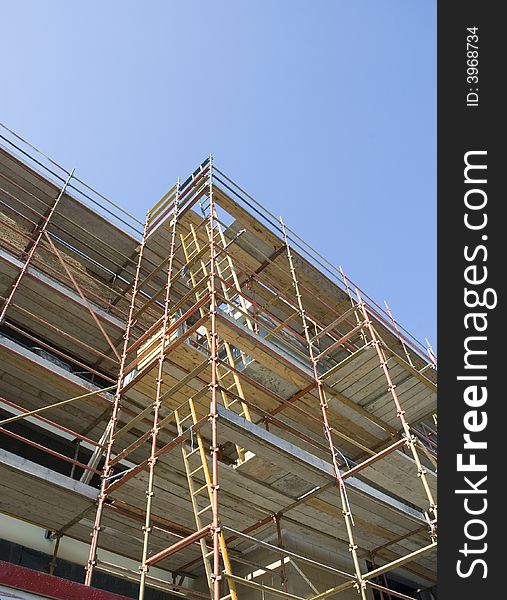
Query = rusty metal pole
x=54 y=560
x=396 y=328
x=283 y=572
x=360 y=583
x=33 y=249
x=352 y=302
x=81 y=295
x=92 y=558
x=158 y=402
x=410 y=439
x=215 y=526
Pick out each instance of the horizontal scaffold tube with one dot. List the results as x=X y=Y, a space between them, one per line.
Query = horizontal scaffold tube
x=190 y=539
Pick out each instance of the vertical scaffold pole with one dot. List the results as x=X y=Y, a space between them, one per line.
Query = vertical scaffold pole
x=157 y=402
x=352 y=301
x=92 y=558
x=283 y=571
x=411 y=440
x=346 y=511
x=431 y=353
x=396 y=328
x=215 y=525
x=33 y=248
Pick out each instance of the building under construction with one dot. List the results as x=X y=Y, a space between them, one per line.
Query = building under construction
x=200 y=405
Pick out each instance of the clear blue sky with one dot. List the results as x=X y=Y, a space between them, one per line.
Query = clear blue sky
x=325 y=111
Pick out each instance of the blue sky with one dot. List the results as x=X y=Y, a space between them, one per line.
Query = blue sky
x=324 y=111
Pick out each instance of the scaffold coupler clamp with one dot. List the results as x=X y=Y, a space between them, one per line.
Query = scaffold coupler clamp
x=432 y=526
x=410 y=440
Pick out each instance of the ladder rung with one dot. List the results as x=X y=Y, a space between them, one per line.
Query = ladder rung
x=203 y=510
x=199 y=468
x=189 y=416
x=192 y=452
x=208 y=554
x=199 y=490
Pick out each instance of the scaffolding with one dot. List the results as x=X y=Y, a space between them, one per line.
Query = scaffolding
x=249 y=387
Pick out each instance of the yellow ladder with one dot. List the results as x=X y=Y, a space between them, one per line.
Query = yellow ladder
x=198 y=270
x=230 y=278
x=199 y=484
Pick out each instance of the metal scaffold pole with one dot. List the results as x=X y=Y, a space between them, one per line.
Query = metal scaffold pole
x=410 y=439
x=215 y=526
x=157 y=401
x=92 y=558
x=207 y=275
x=346 y=510
x=396 y=328
x=283 y=572
x=32 y=247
